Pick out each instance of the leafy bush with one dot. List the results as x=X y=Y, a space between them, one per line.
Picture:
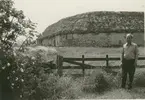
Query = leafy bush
x=139 y=79
x=30 y=80
x=97 y=82
x=101 y=81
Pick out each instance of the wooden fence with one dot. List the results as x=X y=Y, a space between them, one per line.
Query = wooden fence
x=82 y=65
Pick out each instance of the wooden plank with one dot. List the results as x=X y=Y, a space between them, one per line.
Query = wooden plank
x=73 y=62
x=114 y=58
x=57 y=61
x=95 y=67
x=77 y=63
x=117 y=58
x=141 y=58
x=74 y=59
x=59 y=65
x=107 y=61
x=98 y=59
x=85 y=59
x=94 y=59
x=80 y=67
x=83 y=62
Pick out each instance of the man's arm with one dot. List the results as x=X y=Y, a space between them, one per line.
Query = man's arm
x=136 y=54
x=122 y=55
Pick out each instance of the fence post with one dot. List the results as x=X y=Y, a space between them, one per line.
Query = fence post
x=83 y=62
x=107 y=61
x=0 y=92
x=59 y=65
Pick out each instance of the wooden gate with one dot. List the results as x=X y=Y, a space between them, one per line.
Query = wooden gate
x=82 y=65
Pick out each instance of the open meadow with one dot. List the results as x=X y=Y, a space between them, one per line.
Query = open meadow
x=92 y=51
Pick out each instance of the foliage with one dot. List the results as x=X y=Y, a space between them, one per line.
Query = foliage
x=99 y=82
x=139 y=79
x=95 y=83
x=26 y=75
x=31 y=79
x=33 y=82
x=13 y=23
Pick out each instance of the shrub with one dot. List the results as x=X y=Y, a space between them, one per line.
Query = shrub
x=101 y=81
x=139 y=79
x=56 y=87
x=65 y=88
x=97 y=82
x=24 y=73
x=113 y=78
x=30 y=81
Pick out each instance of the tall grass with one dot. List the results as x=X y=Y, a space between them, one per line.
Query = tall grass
x=139 y=78
x=68 y=87
x=100 y=82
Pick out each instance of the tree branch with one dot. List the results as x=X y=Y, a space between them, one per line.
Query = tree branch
x=8 y=32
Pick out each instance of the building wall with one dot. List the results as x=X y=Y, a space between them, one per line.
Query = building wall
x=139 y=38
x=90 y=39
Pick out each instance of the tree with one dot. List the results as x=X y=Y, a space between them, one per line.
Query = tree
x=13 y=24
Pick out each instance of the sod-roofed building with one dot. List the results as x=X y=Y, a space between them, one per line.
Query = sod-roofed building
x=95 y=29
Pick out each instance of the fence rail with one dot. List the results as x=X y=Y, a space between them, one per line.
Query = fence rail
x=82 y=65
x=98 y=59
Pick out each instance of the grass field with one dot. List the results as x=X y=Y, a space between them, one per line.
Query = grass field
x=114 y=93
x=92 y=52
x=73 y=85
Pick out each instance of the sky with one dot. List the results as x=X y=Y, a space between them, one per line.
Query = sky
x=47 y=12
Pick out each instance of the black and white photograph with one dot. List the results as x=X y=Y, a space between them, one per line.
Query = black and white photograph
x=72 y=49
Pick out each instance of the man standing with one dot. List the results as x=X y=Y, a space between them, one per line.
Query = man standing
x=129 y=60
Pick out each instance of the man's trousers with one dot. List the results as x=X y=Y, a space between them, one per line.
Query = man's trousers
x=128 y=68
